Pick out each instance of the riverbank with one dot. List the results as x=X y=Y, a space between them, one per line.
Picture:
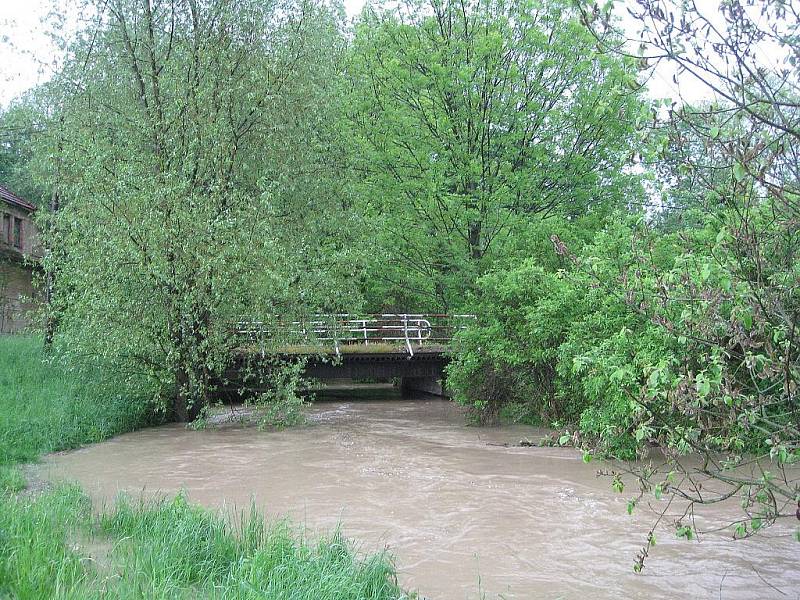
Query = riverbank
x=55 y=544
x=45 y=408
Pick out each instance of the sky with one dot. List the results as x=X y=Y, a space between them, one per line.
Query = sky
x=27 y=55
x=21 y=39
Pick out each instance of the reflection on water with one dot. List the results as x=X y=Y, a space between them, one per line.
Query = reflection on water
x=463 y=514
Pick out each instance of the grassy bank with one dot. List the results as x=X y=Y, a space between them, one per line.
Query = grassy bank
x=44 y=407
x=55 y=546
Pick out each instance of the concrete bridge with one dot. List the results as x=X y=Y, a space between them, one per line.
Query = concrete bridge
x=410 y=348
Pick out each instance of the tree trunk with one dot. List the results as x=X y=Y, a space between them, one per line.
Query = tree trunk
x=50 y=283
x=475 y=246
x=50 y=277
x=186 y=408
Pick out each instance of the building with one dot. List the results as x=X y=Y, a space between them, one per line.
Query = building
x=19 y=253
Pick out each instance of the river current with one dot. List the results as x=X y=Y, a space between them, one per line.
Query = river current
x=466 y=512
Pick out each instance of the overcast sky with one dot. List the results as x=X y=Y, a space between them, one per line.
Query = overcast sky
x=26 y=56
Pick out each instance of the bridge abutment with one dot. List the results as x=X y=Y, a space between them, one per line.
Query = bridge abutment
x=427 y=385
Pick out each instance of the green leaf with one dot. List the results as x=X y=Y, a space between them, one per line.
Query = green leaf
x=703 y=385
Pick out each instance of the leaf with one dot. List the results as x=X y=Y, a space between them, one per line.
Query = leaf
x=703 y=385
x=739 y=172
x=705 y=273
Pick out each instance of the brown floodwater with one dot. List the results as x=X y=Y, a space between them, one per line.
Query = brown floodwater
x=463 y=514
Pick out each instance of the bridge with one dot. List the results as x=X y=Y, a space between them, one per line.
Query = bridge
x=409 y=347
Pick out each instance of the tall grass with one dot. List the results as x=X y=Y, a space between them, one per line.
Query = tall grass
x=37 y=559
x=44 y=407
x=171 y=549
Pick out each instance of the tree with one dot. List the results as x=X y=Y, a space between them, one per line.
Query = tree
x=731 y=303
x=194 y=182
x=18 y=129
x=476 y=118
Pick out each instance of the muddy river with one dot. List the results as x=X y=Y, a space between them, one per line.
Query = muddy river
x=464 y=515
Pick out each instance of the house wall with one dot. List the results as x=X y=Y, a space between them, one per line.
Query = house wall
x=30 y=237
x=16 y=295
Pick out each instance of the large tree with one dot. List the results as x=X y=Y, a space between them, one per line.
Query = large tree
x=193 y=140
x=475 y=118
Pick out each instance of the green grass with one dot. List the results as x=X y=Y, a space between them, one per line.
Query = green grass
x=54 y=546
x=44 y=407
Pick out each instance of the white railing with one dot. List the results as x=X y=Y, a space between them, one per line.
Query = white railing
x=406 y=329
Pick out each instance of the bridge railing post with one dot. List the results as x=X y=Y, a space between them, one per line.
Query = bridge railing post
x=405 y=335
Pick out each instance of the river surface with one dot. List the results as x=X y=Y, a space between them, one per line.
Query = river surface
x=464 y=515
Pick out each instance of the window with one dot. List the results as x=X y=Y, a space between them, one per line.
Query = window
x=18 y=232
x=6 y=233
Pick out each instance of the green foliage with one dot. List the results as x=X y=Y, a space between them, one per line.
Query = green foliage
x=594 y=343
x=19 y=129
x=45 y=407
x=282 y=404
x=197 y=185
x=171 y=549
x=220 y=161
x=558 y=342
x=473 y=120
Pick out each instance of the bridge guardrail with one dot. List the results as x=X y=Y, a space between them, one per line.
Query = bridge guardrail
x=411 y=330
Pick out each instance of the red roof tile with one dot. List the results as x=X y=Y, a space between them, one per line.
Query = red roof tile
x=7 y=195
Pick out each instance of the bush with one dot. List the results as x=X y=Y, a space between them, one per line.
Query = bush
x=560 y=343
x=282 y=404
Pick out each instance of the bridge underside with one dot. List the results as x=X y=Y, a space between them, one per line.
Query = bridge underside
x=422 y=372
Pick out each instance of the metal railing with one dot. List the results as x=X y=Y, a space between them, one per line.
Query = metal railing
x=408 y=330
